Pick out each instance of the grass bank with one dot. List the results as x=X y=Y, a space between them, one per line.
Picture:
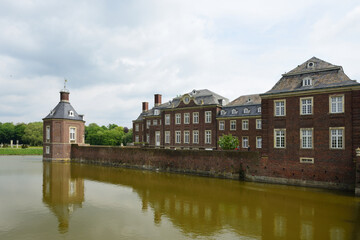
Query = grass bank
x=21 y=151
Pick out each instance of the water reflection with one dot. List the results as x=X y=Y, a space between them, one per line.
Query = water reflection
x=62 y=192
x=204 y=207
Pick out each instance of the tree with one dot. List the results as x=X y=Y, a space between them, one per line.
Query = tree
x=228 y=142
x=33 y=134
x=7 y=132
x=19 y=131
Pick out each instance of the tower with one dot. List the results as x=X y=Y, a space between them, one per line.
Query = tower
x=63 y=126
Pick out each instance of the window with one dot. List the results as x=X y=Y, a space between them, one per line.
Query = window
x=186 y=100
x=187 y=137
x=137 y=138
x=306 y=137
x=47 y=149
x=221 y=125
x=222 y=112
x=307 y=81
x=196 y=136
x=156 y=112
x=245 y=124
x=337 y=138
x=234 y=111
x=147 y=138
x=207 y=136
x=167 y=119
x=280 y=106
x=337 y=104
x=136 y=127
x=258 y=124
x=148 y=123
x=258 y=142
x=306 y=106
x=167 y=136
x=72 y=134
x=186 y=118
x=71 y=113
x=47 y=133
x=154 y=122
x=208 y=117
x=177 y=136
x=178 y=118
x=306 y=160
x=259 y=109
x=279 y=138
x=195 y=117
x=245 y=142
x=246 y=110
x=233 y=125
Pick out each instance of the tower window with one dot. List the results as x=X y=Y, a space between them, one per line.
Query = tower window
x=71 y=113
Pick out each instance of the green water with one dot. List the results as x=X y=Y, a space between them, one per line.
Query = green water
x=72 y=201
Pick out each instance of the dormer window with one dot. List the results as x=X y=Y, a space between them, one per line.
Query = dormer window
x=156 y=112
x=222 y=112
x=71 y=113
x=246 y=110
x=259 y=109
x=307 y=81
x=234 y=111
x=52 y=112
x=248 y=100
x=186 y=99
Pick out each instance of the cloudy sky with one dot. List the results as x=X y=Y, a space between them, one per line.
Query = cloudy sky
x=117 y=54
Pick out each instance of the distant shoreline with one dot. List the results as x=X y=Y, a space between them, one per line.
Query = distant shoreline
x=21 y=151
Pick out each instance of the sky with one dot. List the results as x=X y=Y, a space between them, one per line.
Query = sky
x=117 y=54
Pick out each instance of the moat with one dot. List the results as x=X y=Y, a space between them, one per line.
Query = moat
x=43 y=200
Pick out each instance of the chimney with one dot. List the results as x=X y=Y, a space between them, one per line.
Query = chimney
x=145 y=106
x=64 y=95
x=157 y=99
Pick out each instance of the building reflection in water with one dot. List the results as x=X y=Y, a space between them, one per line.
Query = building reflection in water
x=62 y=193
x=206 y=207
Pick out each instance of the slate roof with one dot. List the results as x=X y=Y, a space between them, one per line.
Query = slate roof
x=236 y=108
x=61 y=111
x=323 y=75
x=246 y=100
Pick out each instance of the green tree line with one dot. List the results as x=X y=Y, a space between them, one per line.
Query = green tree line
x=32 y=134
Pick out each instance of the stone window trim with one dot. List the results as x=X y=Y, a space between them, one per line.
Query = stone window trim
x=186 y=118
x=282 y=145
x=207 y=137
x=258 y=124
x=196 y=137
x=187 y=137
x=245 y=142
x=302 y=105
x=337 y=111
x=306 y=160
x=178 y=118
x=245 y=124
x=337 y=138
x=257 y=142
x=48 y=136
x=72 y=134
x=195 y=117
x=167 y=119
x=221 y=125
x=207 y=116
x=302 y=138
x=177 y=136
x=280 y=111
x=232 y=125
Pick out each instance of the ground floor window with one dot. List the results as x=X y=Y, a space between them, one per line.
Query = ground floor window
x=47 y=149
x=186 y=136
x=177 y=137
x=279 y=138
x=337 y=138
x=207 y=136
x=258 y=142
x=167 y=136
x=245 y=142
x=136 y=138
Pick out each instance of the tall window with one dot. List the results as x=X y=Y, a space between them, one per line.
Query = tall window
x=207 y=136
x=167 y=136
x=47 y=133
x=279 y=138
x=208 y=117
x=337 y=138
x=337 y=104
x=306 y=135
x=195 y=117
x=186 y=136
x=72 y=134
x=232 y=124
x=221 y=125
x=167 y=119
x=137 y=138
x=196 y=136
x=177 y=136
x=306 y=106
x=147 y=138
x=47 y=149
x=245 y=142
x=178 y=118
x=155 y=122
x=258 y=124
x=280 y=106
x=245 y=124
x=136 y=127
x=148 y=123
x=186 y=118
x=258 y=142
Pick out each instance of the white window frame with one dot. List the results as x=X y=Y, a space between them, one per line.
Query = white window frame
x=178 y=118
x=245 y=124
x=221 y=125
x=71 y=113
x=157 y=138
x=306 y=139
x=337 y=106
x=280 y=133
x=306 y=108
x=47 y=150
x=167 y=119
x=177 y=136
x=195 y=117
x=258 y=142
x=48 y=133
x=232 y=125
x=306 y=160
x=155 y=122
x=246 y=110
x=207 y=137
x=186 y=118
x=72 y=134
x=307 y=81
x=245 y=142
x=234 y=111
x=258 y=124
x=280 y=110
x=196 y=137
x=136 y=127
x=207 y=116
x=156 y=112
x=259 y=109
x=334 y=134
x=148 y=123
x=186 y=137
x=167 y=137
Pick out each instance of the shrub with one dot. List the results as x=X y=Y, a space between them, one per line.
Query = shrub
x=228 y=142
